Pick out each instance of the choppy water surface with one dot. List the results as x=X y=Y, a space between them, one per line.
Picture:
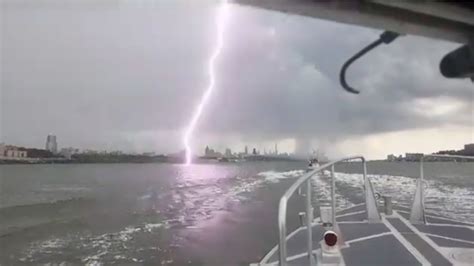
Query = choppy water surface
x=165 y=214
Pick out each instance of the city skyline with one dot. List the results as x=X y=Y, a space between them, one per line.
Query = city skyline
x=280 y=85
x=54 y=149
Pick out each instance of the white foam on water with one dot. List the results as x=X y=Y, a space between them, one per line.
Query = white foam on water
x=94 y=259
x=320 y=184
x=45 y=247
x=53 y=243
x=322 y=191
x=244 y=186
x=55 y=188
x=440 y=198
x=151 y=227
x=272 y=176
x=113 y=242
x=99 y=246
x=450 y=201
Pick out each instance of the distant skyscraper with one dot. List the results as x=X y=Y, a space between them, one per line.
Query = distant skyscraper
x=51 y=144
x=228 y=152
x=246 y=150
x=276 y=149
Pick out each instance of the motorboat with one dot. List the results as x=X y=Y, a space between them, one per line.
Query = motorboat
x=374 y=232
x=313 y=164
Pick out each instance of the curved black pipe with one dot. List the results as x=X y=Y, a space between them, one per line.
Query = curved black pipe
x=386 y=37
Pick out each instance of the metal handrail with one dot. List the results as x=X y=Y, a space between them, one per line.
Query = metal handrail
x=309 y=210
x=417 y=212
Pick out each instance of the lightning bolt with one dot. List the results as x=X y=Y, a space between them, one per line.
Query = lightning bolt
x=221 y=19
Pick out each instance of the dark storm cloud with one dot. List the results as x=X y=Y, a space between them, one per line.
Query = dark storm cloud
x=111 y=75
x=305 y=98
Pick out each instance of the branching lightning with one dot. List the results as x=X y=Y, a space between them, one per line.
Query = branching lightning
x=221 y=19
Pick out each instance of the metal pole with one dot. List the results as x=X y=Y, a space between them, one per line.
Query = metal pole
x=364 y=166
x=421 y=169
x=422 y=193
x=309 y=218
x=333 y=196
x=373 y=214
x=365 y=170
x=387 y=200
x=282 y=227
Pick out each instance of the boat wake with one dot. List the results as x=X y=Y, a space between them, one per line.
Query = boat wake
x=272 y=176
x=441 y=198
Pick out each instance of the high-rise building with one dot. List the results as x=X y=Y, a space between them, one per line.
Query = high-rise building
x=276 y=149
x=246 y=150
x=51 y=144
x=228 y=152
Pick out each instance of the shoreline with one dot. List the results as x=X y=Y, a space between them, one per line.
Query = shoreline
x=149 y=160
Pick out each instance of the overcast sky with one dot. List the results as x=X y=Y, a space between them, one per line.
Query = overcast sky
x=127 y=75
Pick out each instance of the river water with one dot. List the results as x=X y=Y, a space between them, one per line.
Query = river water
x=171 y=214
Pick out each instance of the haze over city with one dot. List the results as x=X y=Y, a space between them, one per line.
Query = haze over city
x=125 y=76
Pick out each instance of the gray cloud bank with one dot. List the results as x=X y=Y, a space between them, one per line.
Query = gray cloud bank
x=128 y=76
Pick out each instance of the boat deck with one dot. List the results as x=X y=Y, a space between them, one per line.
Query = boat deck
x=393 y=241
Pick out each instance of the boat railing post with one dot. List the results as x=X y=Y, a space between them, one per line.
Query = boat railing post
x=282 y=226
x=309 y=219
x=373 y=214
x=364 y=165
x=417 y=212
x=422 y=178
x=333 y=196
